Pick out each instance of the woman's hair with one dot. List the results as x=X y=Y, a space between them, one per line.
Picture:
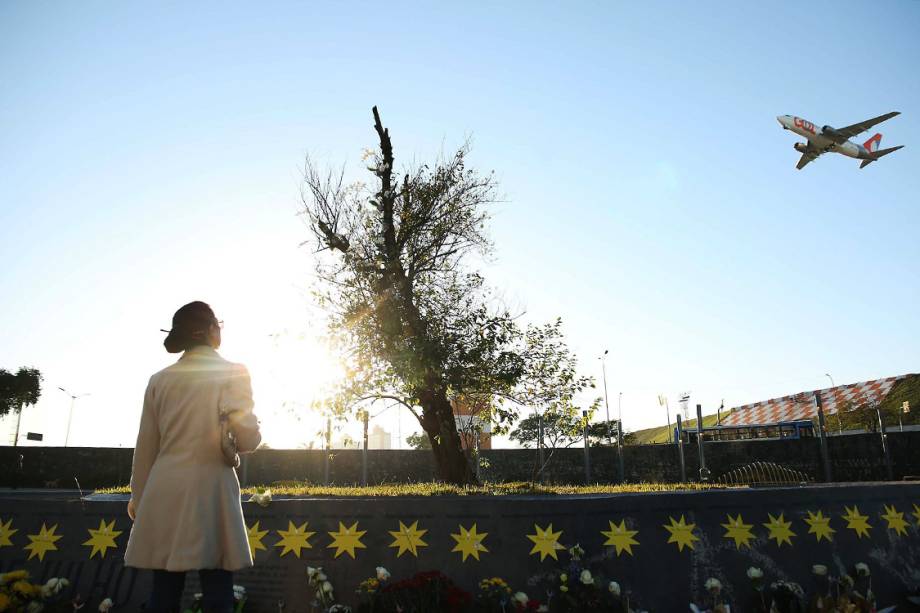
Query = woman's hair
x=190 y=327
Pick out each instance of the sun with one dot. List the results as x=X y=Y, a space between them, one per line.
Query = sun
x=290 y=370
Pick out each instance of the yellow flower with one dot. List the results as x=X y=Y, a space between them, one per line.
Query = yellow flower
x=24 y=587
x=13 y=575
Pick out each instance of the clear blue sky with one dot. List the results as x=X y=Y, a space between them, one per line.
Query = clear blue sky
x=151 y=152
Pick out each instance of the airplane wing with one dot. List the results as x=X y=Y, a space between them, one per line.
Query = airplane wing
x=810 y=154
x=857 y=128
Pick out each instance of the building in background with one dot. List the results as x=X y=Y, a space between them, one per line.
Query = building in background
x=378 y=438
x=470 y=424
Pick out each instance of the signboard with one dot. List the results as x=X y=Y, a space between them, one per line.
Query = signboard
x=34 y=436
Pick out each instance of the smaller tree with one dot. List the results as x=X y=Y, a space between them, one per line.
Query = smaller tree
x=418 y=440
x=19 y=390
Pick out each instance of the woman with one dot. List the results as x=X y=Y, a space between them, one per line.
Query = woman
x=185 y=496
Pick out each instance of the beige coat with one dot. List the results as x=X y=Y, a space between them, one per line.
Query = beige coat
x=187 y=500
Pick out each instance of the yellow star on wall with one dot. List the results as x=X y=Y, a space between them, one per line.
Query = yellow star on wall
x=294 y=538
x=6 y=531
x=681 y=533
x=895 y=520
x=739 y=531
x=620 y=537
x=347 y=540
x=779 y=530
x=102 y=538
x=917 y=514
x=857 y=522
x=43 y=542
x=408 y=538
x=255 y=536
x=469 y=542
x=820 y=526
x=545 y=542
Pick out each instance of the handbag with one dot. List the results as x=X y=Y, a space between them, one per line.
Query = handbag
x=228 y=448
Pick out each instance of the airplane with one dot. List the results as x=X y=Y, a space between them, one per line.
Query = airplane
x=836 y=139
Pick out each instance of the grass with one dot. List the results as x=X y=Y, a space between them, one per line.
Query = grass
x=520 y=488
x=660 y=434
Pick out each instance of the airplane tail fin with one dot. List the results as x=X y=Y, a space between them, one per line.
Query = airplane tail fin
x=873 y=143
x=878 y=154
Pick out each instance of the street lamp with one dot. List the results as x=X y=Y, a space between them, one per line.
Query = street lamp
x=606 y=404
x=836 y=404
x=73 y=400
x=620 y=437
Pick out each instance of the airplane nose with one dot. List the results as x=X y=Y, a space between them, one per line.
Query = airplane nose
x=779 y=118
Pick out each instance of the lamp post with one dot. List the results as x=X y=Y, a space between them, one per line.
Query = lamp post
x=73 y=401
x=836 y=404
x=606 y=404
x=620 y=437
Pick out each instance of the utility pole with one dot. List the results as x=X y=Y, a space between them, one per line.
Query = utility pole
x=620 y=437
x=73 y=401
x=663 y=400
x=18 y=420
x=836 y=404
x=606 y=404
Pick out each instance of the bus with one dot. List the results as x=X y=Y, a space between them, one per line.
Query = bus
x=784 y=430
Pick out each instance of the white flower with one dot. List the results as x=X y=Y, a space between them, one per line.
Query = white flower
x=35 y=607
x=614 y=588
x=262 y=498
x=713 y=585
x=321 y=576
x=382 y=574
x=586 y=577
x=199 y=596
x=105 y=605
x=311 y=571
x=862 y=569
x=327 y=587
x=543 y=609
x=576 y=551
x=52 y=584
x=563 y=577
x=62 y=583
x=754 y=573
x=520 y=597
x=819 y=569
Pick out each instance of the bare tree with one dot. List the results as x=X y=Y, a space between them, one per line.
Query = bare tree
x=414 y=319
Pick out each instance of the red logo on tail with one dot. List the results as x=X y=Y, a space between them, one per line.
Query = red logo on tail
x=873 y=143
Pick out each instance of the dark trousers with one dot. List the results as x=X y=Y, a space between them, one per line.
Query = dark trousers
x=216 y=586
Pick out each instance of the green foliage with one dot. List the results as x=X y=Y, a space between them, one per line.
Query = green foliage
x=19 y=390
x=660 y=433
x=517 y=488
x=418 y=440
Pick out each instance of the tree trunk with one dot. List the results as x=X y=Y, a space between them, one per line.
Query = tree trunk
x=440 y=426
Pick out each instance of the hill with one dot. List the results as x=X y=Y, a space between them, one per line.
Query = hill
x=660 y=434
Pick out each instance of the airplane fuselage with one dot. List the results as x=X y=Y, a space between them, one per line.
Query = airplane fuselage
x=819 y=141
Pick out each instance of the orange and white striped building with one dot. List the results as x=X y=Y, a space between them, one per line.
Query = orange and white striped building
x=802 y=405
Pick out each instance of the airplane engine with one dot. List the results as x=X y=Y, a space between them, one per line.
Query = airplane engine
x=800 y=147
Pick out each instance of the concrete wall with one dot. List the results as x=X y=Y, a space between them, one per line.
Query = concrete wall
x=853 y=458
x=662 y=574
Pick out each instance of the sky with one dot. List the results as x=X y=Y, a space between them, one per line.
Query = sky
x=152 y=155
